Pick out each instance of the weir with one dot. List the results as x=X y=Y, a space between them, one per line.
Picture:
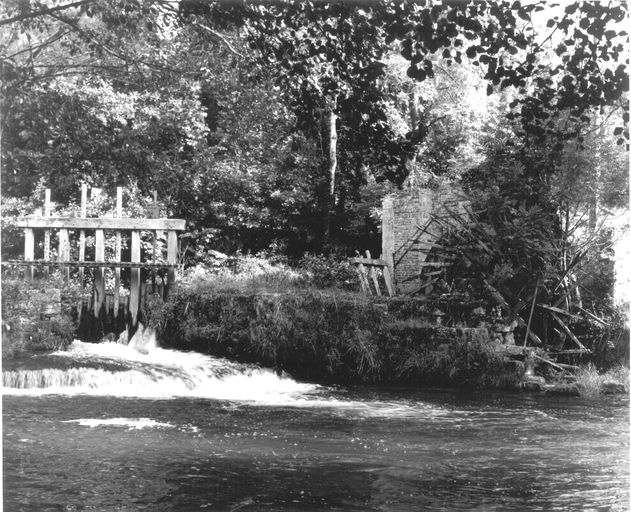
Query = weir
x=130 y=279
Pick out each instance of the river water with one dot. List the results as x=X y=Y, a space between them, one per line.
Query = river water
x=104 y=427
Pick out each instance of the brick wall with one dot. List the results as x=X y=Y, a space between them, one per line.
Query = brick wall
x=408 y=233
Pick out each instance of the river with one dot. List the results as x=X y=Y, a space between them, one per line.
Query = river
x=104 y=427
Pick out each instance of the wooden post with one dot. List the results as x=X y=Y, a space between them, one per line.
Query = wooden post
x=84 y=213
x=171 y=257
x=46 y=232
x=99 y=272
x=154 y=213
x=64 y=253
x=117 y=271
x=363 y=279
x=388 y=279
x=532 y=310
x=373 y=275
x=134 y=289
x=29 y=251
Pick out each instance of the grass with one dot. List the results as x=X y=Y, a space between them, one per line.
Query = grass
x=591 y=381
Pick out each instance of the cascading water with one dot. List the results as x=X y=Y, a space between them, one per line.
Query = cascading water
x=141 y=369
x=124 y=370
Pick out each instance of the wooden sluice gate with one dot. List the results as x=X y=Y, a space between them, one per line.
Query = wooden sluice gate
x=115 y=289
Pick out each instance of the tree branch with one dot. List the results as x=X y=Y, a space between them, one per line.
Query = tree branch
x=220 y=37
x=44 y=12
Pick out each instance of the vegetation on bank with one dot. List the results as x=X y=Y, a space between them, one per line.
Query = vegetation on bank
x=36 y=317
x=284 y=318
x=592 y=381
x=326 y=336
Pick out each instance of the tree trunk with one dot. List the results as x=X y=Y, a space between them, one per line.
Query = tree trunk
x=332 y=150
x=331 y=126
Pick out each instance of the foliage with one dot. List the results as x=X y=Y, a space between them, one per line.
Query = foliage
x=329 y=337
x=328 y=272
x=223 y=109
x=593 y=382
x=30 y=322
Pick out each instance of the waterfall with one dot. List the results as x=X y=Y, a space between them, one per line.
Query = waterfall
x=142 y=369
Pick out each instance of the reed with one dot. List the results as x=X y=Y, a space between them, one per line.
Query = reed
x=592 y=382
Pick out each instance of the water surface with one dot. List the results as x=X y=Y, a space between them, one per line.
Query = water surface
x=103 y=428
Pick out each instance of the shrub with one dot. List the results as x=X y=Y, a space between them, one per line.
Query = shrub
x=329 y=272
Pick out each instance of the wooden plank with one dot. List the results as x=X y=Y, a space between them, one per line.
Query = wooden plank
x=134 y=286
x=143 y=296
x=102 y=223
x=373 y=276
x=84 y=213
x=569 y=333
x=434 y=264
x=560 y=366
x=29 y=252
x=117 y=271
x=388 y=279
x=99 y=273
x=532 y=310
x=171 y=256
x=363 y=279
x=593 y=317
x=368 y=261
x=88 y=264
x=47 y=232
x=560 y=311
x=64 y=252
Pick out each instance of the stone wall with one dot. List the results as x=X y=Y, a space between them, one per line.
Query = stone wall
x=408 y=232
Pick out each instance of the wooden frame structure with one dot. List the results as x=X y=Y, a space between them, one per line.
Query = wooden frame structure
x=99 y=226
x=373 y=265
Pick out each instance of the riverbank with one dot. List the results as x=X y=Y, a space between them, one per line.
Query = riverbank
x=331 y=336
x=313 y=324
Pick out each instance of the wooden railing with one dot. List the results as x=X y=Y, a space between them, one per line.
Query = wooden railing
x=130 y=226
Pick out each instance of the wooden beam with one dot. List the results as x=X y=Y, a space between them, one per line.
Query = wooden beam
x=29 y=251
x=171 y=256
x=514 y=314
x=117 y=271
x=99 y=273
x=569 y=333
x=363 y=279
x=593 y=317
x=560 y=311
x=88 y=264
x=134 y=286
x=368 y=261
x=388 y=279
x=373 y=276
x=83 y=214
x=47 y=232
x=102 y=223
x=64 y=252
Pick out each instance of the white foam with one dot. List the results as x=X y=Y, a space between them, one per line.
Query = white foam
x=131 y=423
x=166 y=374
x=158 y=373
